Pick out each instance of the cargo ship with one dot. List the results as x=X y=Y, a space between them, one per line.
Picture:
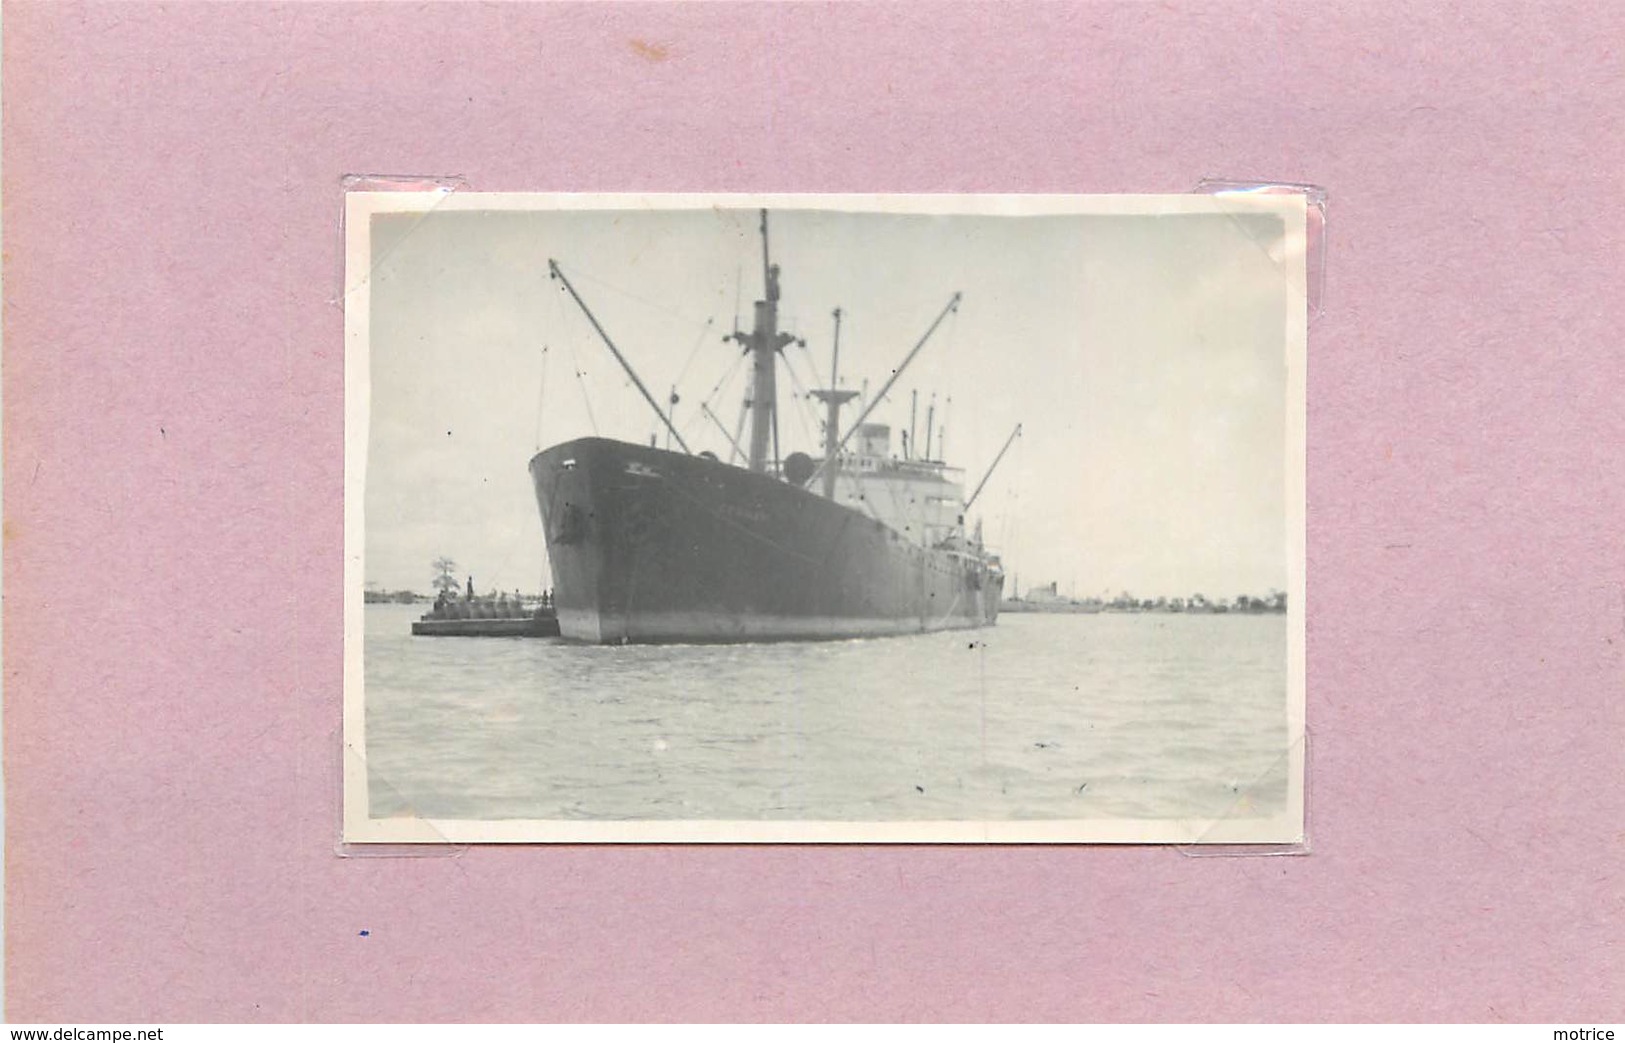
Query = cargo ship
x=656 y=545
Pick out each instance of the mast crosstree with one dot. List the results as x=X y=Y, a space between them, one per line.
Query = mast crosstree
x=764 y=342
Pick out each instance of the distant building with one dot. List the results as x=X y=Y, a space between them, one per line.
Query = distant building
x=1045 y=595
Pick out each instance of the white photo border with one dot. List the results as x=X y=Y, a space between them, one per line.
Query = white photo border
x=359 y=827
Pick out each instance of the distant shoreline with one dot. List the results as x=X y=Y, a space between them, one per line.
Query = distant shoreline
x=394 y=597
x=1015 y=606
x=1078 y=608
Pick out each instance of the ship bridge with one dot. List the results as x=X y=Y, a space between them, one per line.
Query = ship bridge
x=921 y=499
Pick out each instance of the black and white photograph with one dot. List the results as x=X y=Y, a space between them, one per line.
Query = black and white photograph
x=880 y=519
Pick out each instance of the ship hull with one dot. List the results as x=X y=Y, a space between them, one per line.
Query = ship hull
x=653 y=546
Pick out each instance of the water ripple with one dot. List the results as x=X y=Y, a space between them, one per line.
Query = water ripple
x=1040 y=717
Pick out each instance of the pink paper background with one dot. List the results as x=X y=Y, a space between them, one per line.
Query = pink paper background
x=173 y=421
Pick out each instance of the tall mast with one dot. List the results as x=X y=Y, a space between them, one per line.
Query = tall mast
x=835 y=352
x=764 y=342
x=833 y=399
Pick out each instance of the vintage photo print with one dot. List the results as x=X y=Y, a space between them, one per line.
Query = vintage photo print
x=824 y=518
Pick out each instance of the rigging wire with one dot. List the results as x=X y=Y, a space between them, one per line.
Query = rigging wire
x=739 y=289
x=541 y=399
x=948 y=317
x=671 y=404
x=733 y=447
x=744 y=411
x=696 y=420
x=948 y=357
x=803 y=399
x=711 y=397
x=716 y=388
x=687 y=320
x=1008 y=523
x=554 y=319
x=581 y=378
x=699 y=342
x=575 y=367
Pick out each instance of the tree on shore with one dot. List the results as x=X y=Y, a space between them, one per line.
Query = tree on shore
x=445 y=575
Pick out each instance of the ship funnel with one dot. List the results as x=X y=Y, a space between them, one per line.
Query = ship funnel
x=874 y=440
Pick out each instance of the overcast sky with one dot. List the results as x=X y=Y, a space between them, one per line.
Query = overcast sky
x=1143 y=355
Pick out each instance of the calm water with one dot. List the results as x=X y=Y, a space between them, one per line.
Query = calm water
x=1040 y=717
